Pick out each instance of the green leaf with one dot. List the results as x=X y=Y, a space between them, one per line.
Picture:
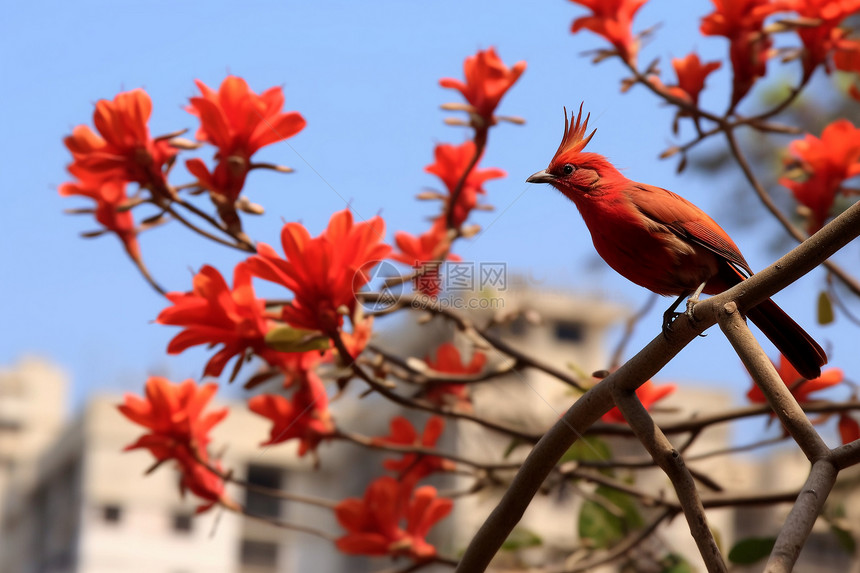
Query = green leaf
x=521 y=538
x=750 y=550
x=844 y=537
x=825 y=308
x=674 y=563
x=288 y=339
x=606 y=524
x=588 y=448
x=599 y=526
x=514 y=444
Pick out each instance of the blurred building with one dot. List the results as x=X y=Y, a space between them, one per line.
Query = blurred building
x=33 y=396
x=74 y=502
x=78 y=503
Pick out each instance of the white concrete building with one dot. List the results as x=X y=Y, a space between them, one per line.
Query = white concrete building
x=77 y=503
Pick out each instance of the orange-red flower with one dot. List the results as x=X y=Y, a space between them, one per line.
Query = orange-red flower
x=412 y=468
x=431 y=247
x=846 y=58
x=238 y=121
x=225 y=181
x=692 y=74
x=179 y=430
x=124 y=149
x=109 y=197
x=202 y=482
x=801 y=389
x=449 y=361
x=648 y=393
x=820 y=41
x=742 y=22
x=849 y=429
x=451 y=162
x=305 y=418
x=174 y=415
x=487 y=81
x=373 y=523
x=826 y=162
x=213 y=313
x=325 y=272
x=612 y=19
x=357 y=340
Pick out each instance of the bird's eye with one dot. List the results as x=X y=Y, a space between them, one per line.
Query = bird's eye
x=568 y=168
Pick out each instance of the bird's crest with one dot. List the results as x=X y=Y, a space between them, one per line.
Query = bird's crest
x=573 y=141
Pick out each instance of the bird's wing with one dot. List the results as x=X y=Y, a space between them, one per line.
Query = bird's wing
x=688 y=222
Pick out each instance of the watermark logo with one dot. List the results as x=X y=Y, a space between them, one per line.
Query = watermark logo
x=460 y=285
x=384 y=282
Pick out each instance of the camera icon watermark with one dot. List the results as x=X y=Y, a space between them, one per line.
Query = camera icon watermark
x=459 y=285
x=385 y=281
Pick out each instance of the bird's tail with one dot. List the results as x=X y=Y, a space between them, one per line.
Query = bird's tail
x=796 y=345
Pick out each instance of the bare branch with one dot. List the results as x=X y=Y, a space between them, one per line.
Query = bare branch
x=671 y=462
x=802 y=517
x=778 y=395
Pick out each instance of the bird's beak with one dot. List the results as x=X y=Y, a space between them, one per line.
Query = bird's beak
x=541 y=177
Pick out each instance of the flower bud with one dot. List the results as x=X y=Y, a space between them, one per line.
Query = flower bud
x=244 y=204
x=470 y=231
x=183 y=143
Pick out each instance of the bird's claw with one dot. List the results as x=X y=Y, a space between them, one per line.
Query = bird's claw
x=691 y=303
x=668 y=318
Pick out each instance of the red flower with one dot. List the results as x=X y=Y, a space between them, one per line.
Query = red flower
x=648 y=394
x=174 y=415
x=412 y=468
x=305 y=418
x=487 y=81
x=298 y=367
x=847 y=55
x=451 y=162
x=827 y=163
x=324 y=272
x=373 y=523
x=691 y=76
x=612 y=19
x=742 y=22
x=800 y=388
x=238 y=121
x=357 y=340
x=821 y=40
x=109 y=197
x=212 y=313
x=448 y=361
x=431 y=247
x=179 y=430
x=226 y=181
x=202 y=482
x=849 y=429
x=124 y=151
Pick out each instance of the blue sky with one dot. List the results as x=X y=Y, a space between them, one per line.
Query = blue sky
x=364 y=75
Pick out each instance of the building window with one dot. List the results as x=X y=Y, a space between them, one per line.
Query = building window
x=259 y=553
x=260 y=504
x=569 y=331
x=519 y=326
x=182 y=522
x=112 y=513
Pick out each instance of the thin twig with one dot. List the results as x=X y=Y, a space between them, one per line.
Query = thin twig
x=625 y=545
x=790 y=228
x=672 y=463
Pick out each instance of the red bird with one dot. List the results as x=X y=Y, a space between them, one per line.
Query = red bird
x=663 y=242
